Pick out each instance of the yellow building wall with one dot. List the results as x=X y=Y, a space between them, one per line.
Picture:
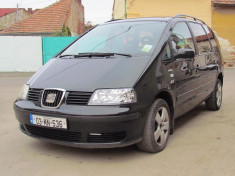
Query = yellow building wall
x=161 y=8
x=119 y=9
x=223 y=20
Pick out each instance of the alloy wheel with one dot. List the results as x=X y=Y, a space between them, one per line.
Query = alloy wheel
x=219 y=94
x=161 y=126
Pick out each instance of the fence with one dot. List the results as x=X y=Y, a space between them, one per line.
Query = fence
x=53 y=45
x=27 y=53
x=20 y=53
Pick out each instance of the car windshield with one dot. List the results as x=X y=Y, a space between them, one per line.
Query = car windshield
x=131 y=38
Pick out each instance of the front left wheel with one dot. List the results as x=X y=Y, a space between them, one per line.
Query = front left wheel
x=157 y=128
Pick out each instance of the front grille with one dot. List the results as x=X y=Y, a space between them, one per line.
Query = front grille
x=106 y=137
x=34 y=94
x=78 y=98
x=53 y=101
x=54 y=134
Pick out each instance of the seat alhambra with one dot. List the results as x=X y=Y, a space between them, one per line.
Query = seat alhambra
x=123 y=82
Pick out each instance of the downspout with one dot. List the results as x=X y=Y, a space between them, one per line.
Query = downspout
x=125 y=10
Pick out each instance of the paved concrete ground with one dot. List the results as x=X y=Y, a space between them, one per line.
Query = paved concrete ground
x=203 y=145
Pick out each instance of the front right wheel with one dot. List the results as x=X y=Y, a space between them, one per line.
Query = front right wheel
x=157 y=128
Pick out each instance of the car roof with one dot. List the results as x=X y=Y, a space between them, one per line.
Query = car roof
x=140 y=19
x=166 y=19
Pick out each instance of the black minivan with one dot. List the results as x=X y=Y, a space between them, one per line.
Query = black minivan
x=123 y=82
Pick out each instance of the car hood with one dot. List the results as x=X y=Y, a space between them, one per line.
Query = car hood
x=89 y=74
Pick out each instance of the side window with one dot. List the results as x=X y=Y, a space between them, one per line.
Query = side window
x=201 y=38
x=181 y=37
x=166 y=54
x=212 y=38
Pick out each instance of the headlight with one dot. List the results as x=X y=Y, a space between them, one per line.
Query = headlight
x=113 y=96
x=23 y=92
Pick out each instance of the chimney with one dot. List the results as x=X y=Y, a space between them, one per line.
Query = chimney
x=30 y=10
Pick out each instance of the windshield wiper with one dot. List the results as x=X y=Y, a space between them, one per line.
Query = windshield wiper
x=67 y=55
x=101 y=54
x=95 y=55
x=122 y=54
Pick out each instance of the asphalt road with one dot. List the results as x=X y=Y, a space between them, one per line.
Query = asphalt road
x=203 y=144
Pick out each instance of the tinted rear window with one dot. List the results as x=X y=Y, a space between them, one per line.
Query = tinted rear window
x=212 y=38
x=201 y=38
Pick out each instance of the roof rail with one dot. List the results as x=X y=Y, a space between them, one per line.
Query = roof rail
x=187 y=16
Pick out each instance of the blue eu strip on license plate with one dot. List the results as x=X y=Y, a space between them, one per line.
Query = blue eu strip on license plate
x=31 y=118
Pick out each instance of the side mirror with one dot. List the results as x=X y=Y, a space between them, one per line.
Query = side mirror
x=185 y=53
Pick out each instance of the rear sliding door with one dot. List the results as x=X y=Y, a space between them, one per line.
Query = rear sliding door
x=206 y=60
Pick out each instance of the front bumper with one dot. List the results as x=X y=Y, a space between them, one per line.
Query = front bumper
x=113 y=130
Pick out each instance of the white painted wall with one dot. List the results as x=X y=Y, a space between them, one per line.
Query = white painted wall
x=20 y=53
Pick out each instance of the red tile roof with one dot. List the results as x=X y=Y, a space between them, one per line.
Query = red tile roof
x=6 y=11
x=49 y=19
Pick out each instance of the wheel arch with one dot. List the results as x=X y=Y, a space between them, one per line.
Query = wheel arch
x=168 y=98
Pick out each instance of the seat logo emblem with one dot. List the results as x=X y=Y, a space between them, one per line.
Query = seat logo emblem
x=50 y=98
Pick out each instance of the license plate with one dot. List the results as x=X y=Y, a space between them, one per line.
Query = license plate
x=48 y=121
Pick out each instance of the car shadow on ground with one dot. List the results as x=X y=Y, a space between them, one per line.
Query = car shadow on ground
x=131 y=152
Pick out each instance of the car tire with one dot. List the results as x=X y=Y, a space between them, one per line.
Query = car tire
x=157 y=128
x=215 y=100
